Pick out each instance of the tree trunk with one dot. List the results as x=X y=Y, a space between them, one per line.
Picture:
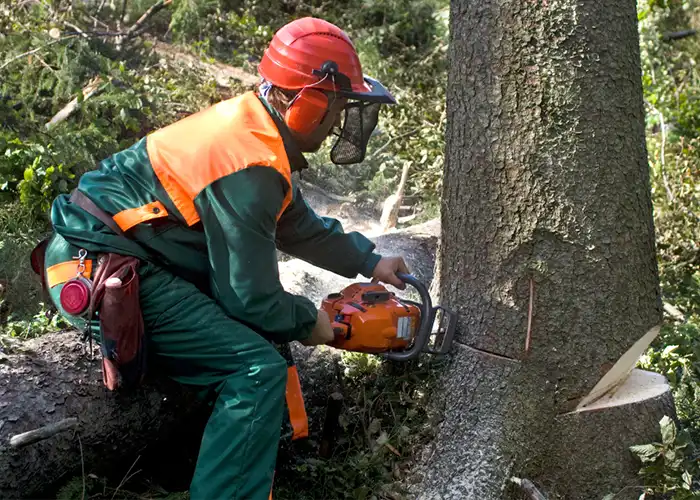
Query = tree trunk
x=547 y=253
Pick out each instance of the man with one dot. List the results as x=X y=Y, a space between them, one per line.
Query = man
x=204 y=204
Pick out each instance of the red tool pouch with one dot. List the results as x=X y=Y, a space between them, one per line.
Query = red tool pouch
x=115 y=295
x=115 y=299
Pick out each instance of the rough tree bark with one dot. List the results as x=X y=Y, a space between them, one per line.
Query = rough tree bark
x=547 y=253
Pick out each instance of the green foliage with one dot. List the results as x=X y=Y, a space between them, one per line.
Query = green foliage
x=19 y=288
x=672 y=94
x=384 y=419
x=671 y=466
x=135 y=93
x=45 y=321
x=676 y=354
x=404 y=44
x=94 y=488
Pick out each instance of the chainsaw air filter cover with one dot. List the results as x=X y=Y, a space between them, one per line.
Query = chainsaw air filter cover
x=366 y=317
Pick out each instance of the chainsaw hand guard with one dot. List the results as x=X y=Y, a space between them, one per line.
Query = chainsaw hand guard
x=426 y=315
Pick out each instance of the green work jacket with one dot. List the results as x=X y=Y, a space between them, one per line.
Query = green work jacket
x=211 y=199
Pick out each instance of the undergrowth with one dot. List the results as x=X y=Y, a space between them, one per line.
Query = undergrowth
x=384 y=419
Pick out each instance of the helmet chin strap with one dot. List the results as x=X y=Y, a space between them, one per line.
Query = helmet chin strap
x=264 y=88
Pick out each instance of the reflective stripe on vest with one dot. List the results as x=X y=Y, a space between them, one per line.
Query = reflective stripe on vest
x=126 y=219
x=64 y=271
x=194 y=152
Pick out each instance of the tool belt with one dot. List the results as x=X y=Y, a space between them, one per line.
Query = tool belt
x=113 y=296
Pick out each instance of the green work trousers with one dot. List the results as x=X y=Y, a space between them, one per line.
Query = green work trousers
x=192 y=341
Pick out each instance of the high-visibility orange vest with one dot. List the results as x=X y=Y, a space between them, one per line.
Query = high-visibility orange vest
x=192 y=153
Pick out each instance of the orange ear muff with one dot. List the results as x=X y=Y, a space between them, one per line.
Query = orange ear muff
x=306 y=111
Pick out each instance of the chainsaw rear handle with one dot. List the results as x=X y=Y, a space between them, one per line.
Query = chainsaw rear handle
x=426 y=320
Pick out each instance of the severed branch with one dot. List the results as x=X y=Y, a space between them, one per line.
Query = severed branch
x=153 y=9
x=677 y=35
x=34 y=51
x=528 y=487
x=88 y=91
x=131 y=32
x=30 y=437
x=76 y=29
x=674 y=312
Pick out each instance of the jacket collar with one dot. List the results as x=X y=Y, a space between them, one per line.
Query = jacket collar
x=297 y=161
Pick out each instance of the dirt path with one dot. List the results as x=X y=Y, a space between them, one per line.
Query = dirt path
x=343 y=208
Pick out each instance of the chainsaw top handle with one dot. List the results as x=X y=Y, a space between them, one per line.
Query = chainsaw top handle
x=426 y=320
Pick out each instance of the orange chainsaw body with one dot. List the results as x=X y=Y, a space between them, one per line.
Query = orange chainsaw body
x=366 y=317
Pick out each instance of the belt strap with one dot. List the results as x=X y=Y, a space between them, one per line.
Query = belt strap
x=80 y=199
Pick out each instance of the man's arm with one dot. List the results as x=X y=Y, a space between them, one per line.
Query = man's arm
x=239 y=213
x=322 y=241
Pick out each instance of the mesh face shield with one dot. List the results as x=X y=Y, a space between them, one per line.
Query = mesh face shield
x=358 y=124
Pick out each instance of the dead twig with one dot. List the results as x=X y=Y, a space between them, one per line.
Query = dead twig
x=126 y=478
x=34 y=51
x=123 y=13
x=82 y=464
x=392 y=139
x=667 y=185
x=677 y=35
x=46 y=432
x=528 y=487
x=44 y=63
x=153 y=9
x=88 y=91
x=76 y=29
x=99 y=9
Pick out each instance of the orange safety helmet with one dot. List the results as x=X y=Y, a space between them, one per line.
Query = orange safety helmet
x=318 y=59
x=314 y=52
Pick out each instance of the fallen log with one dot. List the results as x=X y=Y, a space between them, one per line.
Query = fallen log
x=225 y=75
x=51 y=379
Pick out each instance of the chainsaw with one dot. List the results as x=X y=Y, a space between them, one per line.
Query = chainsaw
x=366 y=317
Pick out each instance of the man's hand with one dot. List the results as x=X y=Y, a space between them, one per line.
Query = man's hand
x=386 y=269
x=322 y=332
